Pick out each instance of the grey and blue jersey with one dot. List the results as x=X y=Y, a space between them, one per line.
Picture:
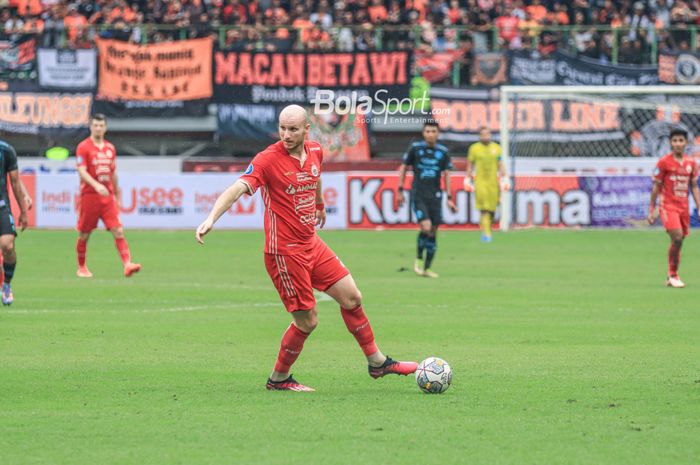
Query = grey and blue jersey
x=428 y=164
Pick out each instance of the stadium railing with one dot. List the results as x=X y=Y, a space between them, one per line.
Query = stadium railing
x=611 y=44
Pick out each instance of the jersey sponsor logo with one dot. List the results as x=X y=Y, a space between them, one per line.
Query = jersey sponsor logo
x=304 y=201
x=291 y=190
x=249 y=170
x=303 y=177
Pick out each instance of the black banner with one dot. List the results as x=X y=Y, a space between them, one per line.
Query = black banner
x=248 y=122
x=559 y=68
x=283 y=78
x=679 y=67
x=148 y=109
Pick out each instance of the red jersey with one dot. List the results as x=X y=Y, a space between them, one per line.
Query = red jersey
x=100 y=163
x=289 y=195
x=675 y=178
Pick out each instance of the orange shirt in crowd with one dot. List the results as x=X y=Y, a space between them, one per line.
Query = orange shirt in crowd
x=125 y=13
x=29 y=7
x=537 y=12
x=304 y=26
x=507 y=27
x=377 y=11
x=73 y=23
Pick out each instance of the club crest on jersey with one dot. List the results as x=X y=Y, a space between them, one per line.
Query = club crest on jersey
x=314 y=169
x=249 y=170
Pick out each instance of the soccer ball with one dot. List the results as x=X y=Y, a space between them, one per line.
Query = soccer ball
x=433 y=375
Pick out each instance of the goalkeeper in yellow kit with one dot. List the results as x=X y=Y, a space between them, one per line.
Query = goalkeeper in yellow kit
x=484 y=157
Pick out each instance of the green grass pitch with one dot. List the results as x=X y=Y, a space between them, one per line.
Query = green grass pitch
x=566 y=349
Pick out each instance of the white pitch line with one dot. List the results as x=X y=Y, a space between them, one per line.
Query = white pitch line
x=189 y=308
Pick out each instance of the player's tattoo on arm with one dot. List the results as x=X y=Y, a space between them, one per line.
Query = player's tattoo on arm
x=654 y=194
x=319 y=193
x=402 y=174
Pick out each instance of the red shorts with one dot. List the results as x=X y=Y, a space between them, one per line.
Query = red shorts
x=94 y=207
x=674 y=219
x=296 y=276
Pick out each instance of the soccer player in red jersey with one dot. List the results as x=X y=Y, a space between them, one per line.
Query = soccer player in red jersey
x=288 y=173
x=674 y=175
x=99 y=195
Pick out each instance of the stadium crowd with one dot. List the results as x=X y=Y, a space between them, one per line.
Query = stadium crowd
x=596 y=26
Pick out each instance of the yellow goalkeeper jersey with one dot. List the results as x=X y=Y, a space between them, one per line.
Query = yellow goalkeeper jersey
x=485 y=159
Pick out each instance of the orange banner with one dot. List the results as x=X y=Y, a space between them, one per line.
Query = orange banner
x=167 y=71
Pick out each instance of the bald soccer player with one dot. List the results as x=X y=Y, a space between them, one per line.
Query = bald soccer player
x=288 y=174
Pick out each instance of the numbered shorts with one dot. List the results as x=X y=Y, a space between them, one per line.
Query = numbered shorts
x=7 y=222
x=93 y=208
x=674 y=219
x=428 y=208
x=296 y=276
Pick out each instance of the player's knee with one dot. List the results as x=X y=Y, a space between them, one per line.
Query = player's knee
x=118 y=233
x=8 y=247
x=426 y=227
x=84 y=236
x=307 y=324
x=352 y=300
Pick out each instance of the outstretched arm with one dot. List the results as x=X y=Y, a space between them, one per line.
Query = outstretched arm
x=222 y=204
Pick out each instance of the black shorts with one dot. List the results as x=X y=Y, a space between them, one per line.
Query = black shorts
x=7 y=222
x=428 y=208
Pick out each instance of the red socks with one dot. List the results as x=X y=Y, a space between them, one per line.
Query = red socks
x=674 y=258
x=123 y=249
x=358 y=324
x=81 y=248
x=290 y=348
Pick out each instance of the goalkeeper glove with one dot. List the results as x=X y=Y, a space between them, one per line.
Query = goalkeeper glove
x=468 y=184
x=505 y=184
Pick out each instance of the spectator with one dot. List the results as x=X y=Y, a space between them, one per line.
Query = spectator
x=322 y=17
x=74 y=23
x=507 y=25
x=377 y=11
x=637 y=21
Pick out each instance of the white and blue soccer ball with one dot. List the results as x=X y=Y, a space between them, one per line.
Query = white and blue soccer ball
x=433 y=375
